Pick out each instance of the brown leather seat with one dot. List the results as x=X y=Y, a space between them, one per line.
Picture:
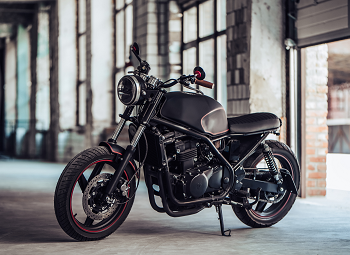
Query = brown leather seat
x=254 y=122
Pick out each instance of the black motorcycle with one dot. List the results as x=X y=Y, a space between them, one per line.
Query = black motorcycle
x=193 y=157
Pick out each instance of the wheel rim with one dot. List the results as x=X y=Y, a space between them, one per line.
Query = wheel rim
x=274 y=209
x=76 y=211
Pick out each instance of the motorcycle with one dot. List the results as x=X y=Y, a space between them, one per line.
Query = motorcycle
x=192 y=155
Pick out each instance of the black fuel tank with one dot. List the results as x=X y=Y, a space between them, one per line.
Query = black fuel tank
x=195 y=111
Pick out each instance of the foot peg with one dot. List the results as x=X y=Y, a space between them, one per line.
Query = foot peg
x=221 y=218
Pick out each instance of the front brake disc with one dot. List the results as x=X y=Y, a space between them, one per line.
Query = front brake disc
x=93 y=206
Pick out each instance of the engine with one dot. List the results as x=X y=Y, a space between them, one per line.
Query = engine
x=193 y=168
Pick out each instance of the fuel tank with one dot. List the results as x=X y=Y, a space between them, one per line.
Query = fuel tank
x=195 y=111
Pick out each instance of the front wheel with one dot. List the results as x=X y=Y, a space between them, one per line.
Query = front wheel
x=265 y=214
x=79 y=207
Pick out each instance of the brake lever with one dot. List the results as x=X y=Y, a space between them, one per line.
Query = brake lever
x=186 y=84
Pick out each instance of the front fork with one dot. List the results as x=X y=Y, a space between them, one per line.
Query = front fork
x=121 y=123
x=129 y=152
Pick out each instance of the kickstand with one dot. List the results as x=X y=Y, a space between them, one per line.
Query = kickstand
x=221 y=218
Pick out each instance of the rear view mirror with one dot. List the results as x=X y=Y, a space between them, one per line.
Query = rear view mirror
x=135 y=48
x=199 y=73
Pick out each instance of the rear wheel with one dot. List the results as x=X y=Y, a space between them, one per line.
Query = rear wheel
x=79 y=207
x=264 y=214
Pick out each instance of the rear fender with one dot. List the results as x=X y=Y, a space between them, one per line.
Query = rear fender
x=118 y=151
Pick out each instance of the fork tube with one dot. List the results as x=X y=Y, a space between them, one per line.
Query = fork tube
x=137 y=135
x=121 y=123
x=129 y=152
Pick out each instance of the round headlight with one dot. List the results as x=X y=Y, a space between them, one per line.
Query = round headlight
x=129 y=90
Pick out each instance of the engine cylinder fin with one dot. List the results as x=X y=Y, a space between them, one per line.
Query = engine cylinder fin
x=187 y=154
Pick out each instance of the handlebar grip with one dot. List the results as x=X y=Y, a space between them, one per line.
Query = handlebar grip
x=203 y=83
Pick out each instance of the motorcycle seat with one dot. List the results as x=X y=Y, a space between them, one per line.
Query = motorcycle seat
x=254 y=122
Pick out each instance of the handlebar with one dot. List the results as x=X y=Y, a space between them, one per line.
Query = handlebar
x=184 y=79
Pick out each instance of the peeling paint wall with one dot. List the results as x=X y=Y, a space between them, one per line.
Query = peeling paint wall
x=67 y=64
x=267 y=57
x=69 y=141
x=43 y=73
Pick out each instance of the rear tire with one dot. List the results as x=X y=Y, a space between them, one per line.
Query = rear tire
x=267 y=217
x=68 y=199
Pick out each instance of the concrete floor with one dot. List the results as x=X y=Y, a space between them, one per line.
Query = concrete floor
x=28 y=224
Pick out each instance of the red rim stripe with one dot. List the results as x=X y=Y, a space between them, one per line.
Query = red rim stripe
x=71 y=196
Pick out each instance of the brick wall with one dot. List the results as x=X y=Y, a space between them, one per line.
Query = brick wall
x=238 y=21
x=162 y=9
x=146 y=32
x=174 y=41
x=315 y=118
x=158 y=32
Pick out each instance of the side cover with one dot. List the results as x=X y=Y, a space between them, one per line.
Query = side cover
x=195 y=111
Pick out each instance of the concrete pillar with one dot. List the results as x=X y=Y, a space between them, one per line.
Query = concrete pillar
x=2 y=94
x=267 y=84
x=157 y=30
x=102 y=66
x=266 y=80
x=10 y=96
x=255 y=57
x=42 y=104
x=67 y=64
x=33 y=58
x=89 y=117
x=54 y=95
x=146 y=32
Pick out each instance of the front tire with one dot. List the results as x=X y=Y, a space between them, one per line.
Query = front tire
x=69 y=196
x=263 y=215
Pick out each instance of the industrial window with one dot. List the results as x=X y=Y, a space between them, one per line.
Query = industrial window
x=204 y=44
x=81 y=58
x=123 y=40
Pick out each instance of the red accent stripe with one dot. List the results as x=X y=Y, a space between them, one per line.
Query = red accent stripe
x=70 y=204
x=117 y=152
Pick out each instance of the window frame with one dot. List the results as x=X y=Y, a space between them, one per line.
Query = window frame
x=195 y=43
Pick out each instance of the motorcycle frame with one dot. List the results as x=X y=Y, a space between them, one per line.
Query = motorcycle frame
x=148 y=119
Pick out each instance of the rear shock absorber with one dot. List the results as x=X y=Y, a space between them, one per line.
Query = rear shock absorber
x=271 y=163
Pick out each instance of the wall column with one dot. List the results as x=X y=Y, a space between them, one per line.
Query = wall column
x=89 y=118
x=146 y=32
x=54 y=105
x=33 y=59
x=2 y=94
x=316 y=129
